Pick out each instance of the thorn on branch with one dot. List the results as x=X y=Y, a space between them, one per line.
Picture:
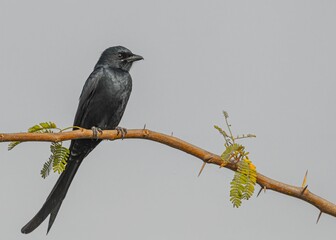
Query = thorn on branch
x=144 y=127
x=304 y=189
x=261 y=188
x=318 y=218
x=206 y=160
x=201 y=170
x=304 y=182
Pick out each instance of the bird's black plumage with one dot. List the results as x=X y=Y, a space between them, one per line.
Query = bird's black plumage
x=102 y=104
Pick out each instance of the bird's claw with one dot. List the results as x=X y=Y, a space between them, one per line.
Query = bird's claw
x=95 y=131
x=121 y=131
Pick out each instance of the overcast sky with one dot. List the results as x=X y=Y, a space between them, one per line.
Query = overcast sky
x=270 y=64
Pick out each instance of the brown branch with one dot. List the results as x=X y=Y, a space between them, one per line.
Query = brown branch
x=267 y=183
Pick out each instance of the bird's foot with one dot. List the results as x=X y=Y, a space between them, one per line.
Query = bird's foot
x=121 y=131
x=95 y=131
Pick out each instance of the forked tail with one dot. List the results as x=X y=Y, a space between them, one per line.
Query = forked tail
x=55 y=198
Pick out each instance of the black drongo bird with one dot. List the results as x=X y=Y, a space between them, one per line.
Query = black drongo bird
x=101 y=105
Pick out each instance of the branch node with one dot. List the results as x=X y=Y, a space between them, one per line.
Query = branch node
x=222 y=164
x=145 y=132
x=207 y=158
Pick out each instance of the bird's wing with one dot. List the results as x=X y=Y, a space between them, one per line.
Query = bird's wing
x=86 y=95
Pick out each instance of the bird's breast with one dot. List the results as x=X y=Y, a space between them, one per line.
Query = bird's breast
x=110 y=98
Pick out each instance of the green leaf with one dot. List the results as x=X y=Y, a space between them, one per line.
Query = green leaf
x=230 y=150
x=42 y=127
x=60 y=156
x=46 y=168
x=12 y=145
x=221 y=131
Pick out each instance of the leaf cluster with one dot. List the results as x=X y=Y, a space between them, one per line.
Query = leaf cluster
x=59 y=154
x=57 y=160
x=245 y=178
x=243 y=182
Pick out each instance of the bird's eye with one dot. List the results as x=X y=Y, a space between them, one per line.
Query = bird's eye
x=120 y=55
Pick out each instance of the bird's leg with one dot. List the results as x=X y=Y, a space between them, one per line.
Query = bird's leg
x=121 y=131
x=95 y=131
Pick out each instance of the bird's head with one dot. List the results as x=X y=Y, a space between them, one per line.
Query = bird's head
x=118 y=57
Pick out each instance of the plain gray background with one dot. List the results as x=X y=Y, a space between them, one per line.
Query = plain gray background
x=270 y=64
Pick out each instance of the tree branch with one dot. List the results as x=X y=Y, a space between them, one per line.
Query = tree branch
x=267 y=183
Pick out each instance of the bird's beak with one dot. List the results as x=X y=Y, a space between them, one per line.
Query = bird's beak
x=133 y=58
